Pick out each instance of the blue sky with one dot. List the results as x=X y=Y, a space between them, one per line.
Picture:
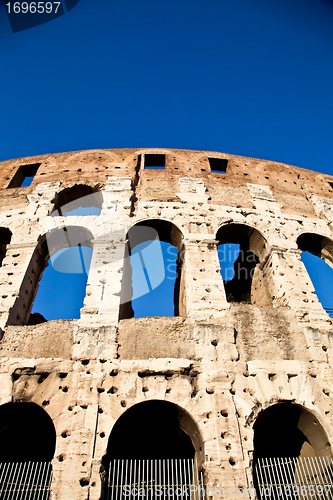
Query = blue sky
x=322 y=279
x=252 y=77
x=245 y=77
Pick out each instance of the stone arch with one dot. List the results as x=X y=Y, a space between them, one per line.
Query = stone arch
x=90 y=154
x=109 y=161
x=147 y=231
x=248 y=283
x=283 y=433
x=48 y=245
x=64 y=237
x=78 y=196
x=320 y=247
x=289 y=429
x=27 y=433
x=27 y=446
x=143 y=422
x=154 y=430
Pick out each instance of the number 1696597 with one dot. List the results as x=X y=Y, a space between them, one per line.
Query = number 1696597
x=32 y=7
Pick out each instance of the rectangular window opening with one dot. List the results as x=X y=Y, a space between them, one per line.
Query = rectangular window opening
x=154 y=161
x=24 y=176
x=218 y=165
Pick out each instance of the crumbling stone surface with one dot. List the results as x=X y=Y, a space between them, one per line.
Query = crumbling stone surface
x=159 y=337
x=50 y=339
x=222 y=363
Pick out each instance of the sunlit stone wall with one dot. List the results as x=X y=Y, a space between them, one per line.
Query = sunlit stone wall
x=223 y=362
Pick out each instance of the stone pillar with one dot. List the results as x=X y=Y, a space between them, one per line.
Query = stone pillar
x=19 y=276
x=104 y=283
x=76 y=435
x=290 y=283
x=96 y=333
x=102 y=301
x=226 y=463
x=201 y=282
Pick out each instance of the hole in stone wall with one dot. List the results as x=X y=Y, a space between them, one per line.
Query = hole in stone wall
x=218 y=165
x=24 y=176
x=154 y=161
x=5 y=237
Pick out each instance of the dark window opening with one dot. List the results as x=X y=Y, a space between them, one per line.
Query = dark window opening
x=150 y=430
x=239 y=251
x=284 y=435
x=5 y=237
x=218 y=165
x=276 y=432
x=27 y=446
x=24 y=176
x=331 y=184
x=77 y=200
x=152 y=284
x=155 y=444
x=317 y=251
x=154 y=161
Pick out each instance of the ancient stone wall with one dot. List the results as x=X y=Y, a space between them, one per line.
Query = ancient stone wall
x=221 y=362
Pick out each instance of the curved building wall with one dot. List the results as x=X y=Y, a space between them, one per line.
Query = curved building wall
x=224 y=362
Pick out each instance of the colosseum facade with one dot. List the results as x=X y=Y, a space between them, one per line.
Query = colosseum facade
x=240 y=371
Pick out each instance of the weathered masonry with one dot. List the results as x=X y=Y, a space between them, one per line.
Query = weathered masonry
x=239 y=371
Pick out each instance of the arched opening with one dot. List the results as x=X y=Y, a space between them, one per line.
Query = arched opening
x=27 y=446
x=152 y=271
x=290 y=448
x=153 y=444
x=78 y=200
x=62 y=286
x=54 y=285
x=317 y=256
x=241 y=248
x=5 y=237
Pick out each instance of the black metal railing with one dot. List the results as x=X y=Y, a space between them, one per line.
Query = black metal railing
x=25 y=480
x=164 y=479
x=303 y=478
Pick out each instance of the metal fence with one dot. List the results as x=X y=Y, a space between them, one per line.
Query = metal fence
x=294 y=478
x=25 y=480
x=168 y=479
